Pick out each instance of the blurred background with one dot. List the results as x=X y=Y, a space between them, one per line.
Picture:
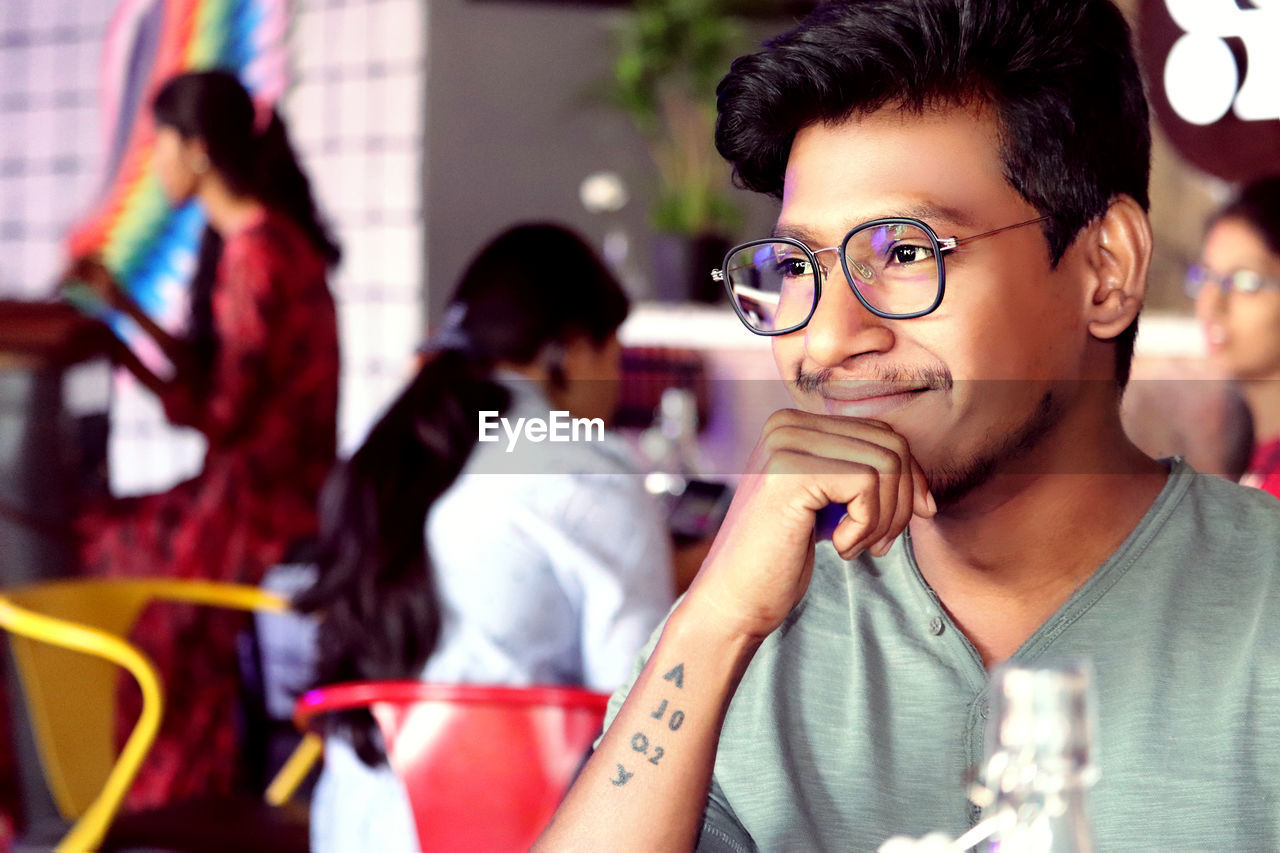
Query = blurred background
x=428 y=126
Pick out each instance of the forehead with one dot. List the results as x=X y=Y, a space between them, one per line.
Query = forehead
x=1233 y=242
x=942 y=165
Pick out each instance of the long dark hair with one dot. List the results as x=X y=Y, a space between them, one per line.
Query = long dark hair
x=1258 y=204
x=214 y=107
x=532 y=286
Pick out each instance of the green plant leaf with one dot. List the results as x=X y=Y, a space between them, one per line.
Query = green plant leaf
x=670 y=55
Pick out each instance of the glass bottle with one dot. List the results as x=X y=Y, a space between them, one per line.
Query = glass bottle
x=671 y=444
x=1039 y=759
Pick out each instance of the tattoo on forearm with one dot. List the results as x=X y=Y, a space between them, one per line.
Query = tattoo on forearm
x=674 y=721
x=640 y=741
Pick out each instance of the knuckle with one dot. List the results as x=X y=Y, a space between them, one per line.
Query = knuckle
x=896 y=443
x=779 y=419
x=778 y=439
x=782 y=462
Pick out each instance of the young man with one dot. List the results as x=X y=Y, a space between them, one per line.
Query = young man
x=957 y=362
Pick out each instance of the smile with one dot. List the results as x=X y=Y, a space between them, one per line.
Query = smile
x=869 y=400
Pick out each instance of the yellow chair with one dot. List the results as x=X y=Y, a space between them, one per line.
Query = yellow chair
x=67 y=639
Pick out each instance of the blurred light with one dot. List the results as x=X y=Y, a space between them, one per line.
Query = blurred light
x=603 y=192
x=1201 y=78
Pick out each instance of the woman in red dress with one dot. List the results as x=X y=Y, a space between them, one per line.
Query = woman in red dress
x=257 y=374
x=1237 y=290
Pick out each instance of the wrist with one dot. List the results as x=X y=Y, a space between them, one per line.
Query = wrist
x=701 y=624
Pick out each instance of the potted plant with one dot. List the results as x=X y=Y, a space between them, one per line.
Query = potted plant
x=670 y=56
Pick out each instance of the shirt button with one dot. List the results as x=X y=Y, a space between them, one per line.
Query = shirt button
x=936 y=626
x=984 y=709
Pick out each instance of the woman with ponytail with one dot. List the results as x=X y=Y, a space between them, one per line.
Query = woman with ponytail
x=454 y=560
x=257 y=373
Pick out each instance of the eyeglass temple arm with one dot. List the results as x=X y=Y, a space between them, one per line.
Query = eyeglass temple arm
x=951 y=243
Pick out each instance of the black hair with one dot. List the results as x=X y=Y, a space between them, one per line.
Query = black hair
x=1060 y=75
x=532 y=286
x=1258 y=204
x=214 y=107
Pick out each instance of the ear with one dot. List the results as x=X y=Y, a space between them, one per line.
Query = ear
x=578 y=356
x=1118 y=255
x=581 y=356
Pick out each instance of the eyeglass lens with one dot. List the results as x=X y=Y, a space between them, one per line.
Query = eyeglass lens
x=893 y=266
x=1240 y=281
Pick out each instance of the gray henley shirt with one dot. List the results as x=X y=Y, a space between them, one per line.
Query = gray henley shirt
x=859 y=718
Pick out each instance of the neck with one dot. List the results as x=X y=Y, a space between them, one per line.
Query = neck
x=1007 y=555
x=535 y=372
x=1263 y=399
x=227 y=212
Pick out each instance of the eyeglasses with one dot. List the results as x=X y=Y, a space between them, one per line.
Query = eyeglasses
x=1240 y=281
x=894 y=266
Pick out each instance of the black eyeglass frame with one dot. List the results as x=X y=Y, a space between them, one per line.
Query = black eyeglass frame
x=941 y=247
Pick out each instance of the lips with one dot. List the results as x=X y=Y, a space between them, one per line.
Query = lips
x=1215 y=336
x=869 y=399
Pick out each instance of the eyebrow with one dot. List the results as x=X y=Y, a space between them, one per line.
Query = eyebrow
x=926 y=211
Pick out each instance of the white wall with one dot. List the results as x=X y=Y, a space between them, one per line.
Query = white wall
x=49 y=53
x=357 y=115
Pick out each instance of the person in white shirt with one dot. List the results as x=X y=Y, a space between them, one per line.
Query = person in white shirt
x=544 y=561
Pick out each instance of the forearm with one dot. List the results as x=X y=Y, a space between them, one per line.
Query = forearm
x=128 y=359
x=646 y=785
x=174 y=350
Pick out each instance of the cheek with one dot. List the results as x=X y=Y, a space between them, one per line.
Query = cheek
x=1014 y=330
x=788 y=351
x=174 y=178
x=1256 y=325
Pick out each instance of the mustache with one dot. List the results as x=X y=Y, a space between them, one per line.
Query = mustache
x=929 y=378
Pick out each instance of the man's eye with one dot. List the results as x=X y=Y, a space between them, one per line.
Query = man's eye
x=793 y=267
x=907 y=254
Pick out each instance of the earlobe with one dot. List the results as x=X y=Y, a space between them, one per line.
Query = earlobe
x=1119 y=256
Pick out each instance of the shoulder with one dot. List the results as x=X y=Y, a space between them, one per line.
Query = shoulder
x=586 y=486
x=273 y=241
x=1220 y=511
x=1204 y=563
x=530 y=437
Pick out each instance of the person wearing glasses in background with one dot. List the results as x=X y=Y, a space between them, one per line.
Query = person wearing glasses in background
x=952 y=290
x=1236 y=287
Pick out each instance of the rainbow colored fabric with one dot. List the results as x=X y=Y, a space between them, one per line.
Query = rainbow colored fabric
x=150 y=245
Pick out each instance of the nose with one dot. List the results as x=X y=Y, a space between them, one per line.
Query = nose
x=841 y=328
x=1211 y=301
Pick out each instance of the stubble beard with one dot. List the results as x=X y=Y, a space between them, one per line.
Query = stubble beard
x=952 y=481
